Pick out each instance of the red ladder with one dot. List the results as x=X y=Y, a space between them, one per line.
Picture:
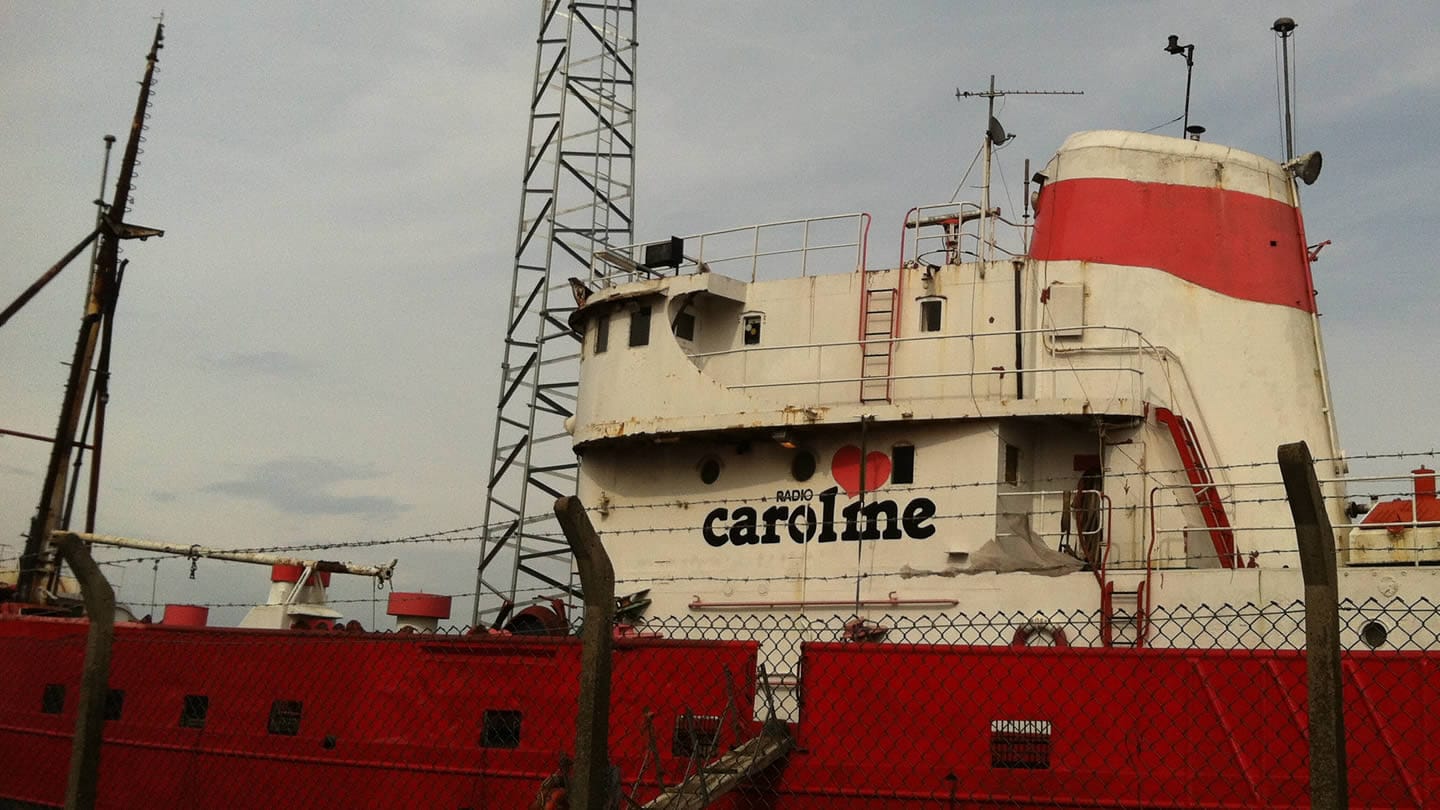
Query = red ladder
x=1124 y=615
x=1203 y=484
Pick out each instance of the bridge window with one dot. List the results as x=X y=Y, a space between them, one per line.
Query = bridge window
x=640 y=327
x=931 y=310
x=602 y=334
x=902 y=464
x=750 y=328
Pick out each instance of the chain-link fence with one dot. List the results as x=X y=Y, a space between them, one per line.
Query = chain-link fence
x=953 y=711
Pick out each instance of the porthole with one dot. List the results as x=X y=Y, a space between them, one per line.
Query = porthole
x=1374 y=634
x=709 y=470
x=803 y=465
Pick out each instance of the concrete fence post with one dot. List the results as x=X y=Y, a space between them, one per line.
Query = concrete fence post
x=1316 y=538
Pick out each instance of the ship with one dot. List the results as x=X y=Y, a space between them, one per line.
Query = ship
x=969 y=525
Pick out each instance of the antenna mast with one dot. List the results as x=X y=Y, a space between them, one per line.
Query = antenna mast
x=577 y=197
x=995 y=135
x=38 y=565
x=1284 y=28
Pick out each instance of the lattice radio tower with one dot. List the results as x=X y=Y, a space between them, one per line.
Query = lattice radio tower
x=577 y=197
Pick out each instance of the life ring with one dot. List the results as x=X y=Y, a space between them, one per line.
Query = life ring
x=1025 y=632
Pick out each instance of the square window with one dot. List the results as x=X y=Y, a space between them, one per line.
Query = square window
x=194 y=711
x=750 y=330
x=930 y=312
x=602 y=334
x=114 y=704
x=697 y=736
x=501 y=729
x=640 y=327
x=285 y=717
x=52 y=700
x=902 y=460
x=685 y=326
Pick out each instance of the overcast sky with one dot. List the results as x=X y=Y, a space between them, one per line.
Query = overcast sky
x=310 y=354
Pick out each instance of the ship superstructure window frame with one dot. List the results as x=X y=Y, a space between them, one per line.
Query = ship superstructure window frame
x=1012 y=464
x=602 y=334
x=194 y=710
x=902 y=463
x=697 y=736
x=52 y=700
x=285 y=717
x=1020 y=744
x=684 y=326
x=932 y=313
x=751 y=326
x=640 y=326
x=114 y=704
x=501 y=728
x=803 y=466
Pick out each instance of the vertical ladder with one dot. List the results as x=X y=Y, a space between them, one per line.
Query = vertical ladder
x=1124 y=614
x=1212 y=508
x=879 y=323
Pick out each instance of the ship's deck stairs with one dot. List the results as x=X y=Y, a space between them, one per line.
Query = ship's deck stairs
x=1207 y=495
x=716 y=778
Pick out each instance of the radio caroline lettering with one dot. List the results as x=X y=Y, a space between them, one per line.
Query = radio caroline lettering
x=804 y=523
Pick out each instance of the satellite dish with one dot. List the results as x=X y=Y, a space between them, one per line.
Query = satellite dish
x=1306 y=167
x=997 y=133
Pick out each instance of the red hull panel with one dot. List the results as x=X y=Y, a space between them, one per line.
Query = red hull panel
x=398 y=721
x=385 y=718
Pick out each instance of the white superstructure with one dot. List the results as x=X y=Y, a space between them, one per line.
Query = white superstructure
x=1093 y=421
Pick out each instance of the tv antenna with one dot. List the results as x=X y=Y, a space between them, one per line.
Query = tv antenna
x=995 y=135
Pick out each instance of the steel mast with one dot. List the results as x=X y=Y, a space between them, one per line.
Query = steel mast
x=577 y=196
x=38 y=565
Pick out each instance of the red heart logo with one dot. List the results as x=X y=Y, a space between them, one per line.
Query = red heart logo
x=845 y=467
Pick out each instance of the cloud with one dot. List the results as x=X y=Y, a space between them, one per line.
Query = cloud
x=11 y=469
x=275 y=364
x=305 y=486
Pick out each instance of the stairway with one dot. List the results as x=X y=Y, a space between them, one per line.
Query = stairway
x=715 y=779
x=1207 y=496
x=879 y=322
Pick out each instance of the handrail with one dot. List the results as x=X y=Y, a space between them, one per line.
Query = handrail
x=938 y=336
x=1046 y=493
x=939 y=376
x=627 y=268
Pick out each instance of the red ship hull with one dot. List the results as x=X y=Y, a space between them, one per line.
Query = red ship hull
x=406 y=720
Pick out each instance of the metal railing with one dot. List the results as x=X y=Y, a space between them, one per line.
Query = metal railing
x=826 y=351
x=786 y=248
